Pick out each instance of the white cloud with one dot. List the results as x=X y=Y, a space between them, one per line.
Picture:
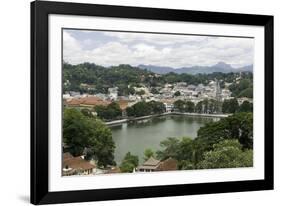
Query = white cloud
x=158 y=39
x=163 y=50
x=71 y=48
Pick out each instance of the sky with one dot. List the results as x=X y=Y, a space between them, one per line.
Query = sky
x=113 y=48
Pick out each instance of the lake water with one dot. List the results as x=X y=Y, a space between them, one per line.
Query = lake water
x=135 y=137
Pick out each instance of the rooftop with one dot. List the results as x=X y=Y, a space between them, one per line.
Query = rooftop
x=89 y=100
x=151 y=162
x=123 y=104
x=76 y=163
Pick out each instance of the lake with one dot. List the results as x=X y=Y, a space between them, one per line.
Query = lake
x=137 y=136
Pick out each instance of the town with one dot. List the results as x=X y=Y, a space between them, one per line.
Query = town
x=167 y=95
x=147 y=102
x=169 y=98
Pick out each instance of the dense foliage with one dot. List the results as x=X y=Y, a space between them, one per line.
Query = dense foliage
x=208 y=106
x=129 y=163
x=237 y=126
x=101 y=78
x=230 y=106
x=148 y=153
x=243 y=87
x=145 y=108
x=227 y=154
x=110 y=112
x=81 y=132
x=246 y=107
x=184 y=106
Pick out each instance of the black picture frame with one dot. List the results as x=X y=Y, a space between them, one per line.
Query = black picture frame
x=39 y=102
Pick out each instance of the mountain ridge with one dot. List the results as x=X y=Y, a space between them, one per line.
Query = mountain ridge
x=219 y=67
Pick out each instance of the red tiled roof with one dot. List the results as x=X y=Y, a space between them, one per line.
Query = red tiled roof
x=77 y=163
x=151 y=162
x=168 y=165
x=90 y=100
x=123 y=104
x=74 y=102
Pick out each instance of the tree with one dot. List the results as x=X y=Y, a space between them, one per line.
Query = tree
x=179 y=105
x=87 y=113
x=81 y=132
x=227 y=154
x=114 y=110
x=130 y=111
x=246 y=93
x=230 y=106
x=102 y=144
x=185 y=149
x=129 y=163
x=170 y=148
x=189 y=106
x=156 y=107
x=76 y=131
x=199 y=107
x=177 y=93
x=243 y=88
x=202 y=106
x=110 y=112
x=237 y=126
x=246 y=107
x=205 y=104
x=213 y=106
x=147 y=154
x=139 y=109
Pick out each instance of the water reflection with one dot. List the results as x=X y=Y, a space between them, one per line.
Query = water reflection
x=138 y=135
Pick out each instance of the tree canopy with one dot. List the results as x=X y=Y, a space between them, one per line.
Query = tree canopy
x=243 y=87
x=227 y=154
x=246 y=107
x=148 y=153
x=237 y=126
x=230 y=106
x=184 y=106
x=145 y=108
x=110 y=112
x=129 y=163
x=81 y=132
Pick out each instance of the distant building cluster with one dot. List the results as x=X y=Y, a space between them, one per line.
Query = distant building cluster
x=167 y=94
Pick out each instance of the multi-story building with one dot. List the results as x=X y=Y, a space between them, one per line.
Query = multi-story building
x=113 y=93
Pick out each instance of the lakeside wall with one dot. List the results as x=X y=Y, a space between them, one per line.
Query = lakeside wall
x=117 y=122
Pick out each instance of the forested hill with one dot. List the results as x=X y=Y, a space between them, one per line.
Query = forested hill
x=101 y=78
x=92 y=78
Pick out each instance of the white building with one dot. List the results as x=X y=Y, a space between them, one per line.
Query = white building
x=169 y=107
x=113 y=93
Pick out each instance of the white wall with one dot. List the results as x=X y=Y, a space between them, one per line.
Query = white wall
x=14 y=102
